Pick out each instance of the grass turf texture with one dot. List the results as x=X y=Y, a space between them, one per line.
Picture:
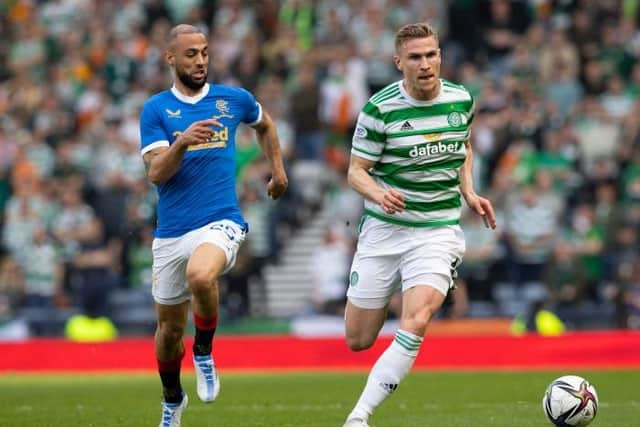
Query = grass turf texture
x=434 y=399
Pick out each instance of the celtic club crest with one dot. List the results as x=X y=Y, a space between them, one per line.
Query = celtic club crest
x=353 y=278
x=454 y=119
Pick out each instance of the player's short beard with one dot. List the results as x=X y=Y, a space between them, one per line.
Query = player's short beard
x=186 y=80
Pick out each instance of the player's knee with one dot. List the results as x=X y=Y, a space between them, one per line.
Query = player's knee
x=170 y=332
x=200 y=280
x=417 y=322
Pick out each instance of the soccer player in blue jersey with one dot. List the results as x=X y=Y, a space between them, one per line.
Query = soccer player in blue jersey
x=187 y=143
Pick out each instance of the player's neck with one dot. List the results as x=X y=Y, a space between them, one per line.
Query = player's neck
x=422 y=95
x=187 y=91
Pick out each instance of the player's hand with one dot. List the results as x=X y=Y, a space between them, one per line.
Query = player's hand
x=483 y=208
x=392 y=201
x=199 y=132
x=277 y=185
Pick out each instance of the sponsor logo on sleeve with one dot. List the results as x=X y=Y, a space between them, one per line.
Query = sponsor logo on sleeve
x=361 y=132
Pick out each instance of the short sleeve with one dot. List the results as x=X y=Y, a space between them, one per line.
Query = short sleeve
x=369 y=138
x=252 y=108
x=152 y=133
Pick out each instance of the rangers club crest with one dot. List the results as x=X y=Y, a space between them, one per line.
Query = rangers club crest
x=223 y=107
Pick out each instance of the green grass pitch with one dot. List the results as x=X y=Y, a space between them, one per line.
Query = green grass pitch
x=424 y=399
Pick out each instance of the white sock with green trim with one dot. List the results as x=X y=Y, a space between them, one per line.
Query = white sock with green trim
x=392 y=366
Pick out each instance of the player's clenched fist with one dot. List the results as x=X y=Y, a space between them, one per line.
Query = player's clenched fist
x=199 y=132
x=277 y=185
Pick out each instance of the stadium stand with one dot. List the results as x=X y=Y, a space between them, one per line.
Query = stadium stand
x=556 y=135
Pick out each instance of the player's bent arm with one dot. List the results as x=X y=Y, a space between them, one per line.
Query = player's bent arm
x=163 y=162
x=466 y=173
x=270 y=146
x=479 y=204
x=390 y=200
x=361 y=181
x=269 y=143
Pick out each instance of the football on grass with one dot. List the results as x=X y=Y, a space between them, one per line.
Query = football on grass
x=570 y=401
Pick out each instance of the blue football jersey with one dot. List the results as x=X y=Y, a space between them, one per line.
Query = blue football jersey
x=203 y=189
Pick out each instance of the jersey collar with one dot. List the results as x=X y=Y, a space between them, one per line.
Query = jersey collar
x=190 y=99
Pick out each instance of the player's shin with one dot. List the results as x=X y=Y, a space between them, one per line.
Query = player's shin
x=205 y=329
x=169 y=371
x=385 y=376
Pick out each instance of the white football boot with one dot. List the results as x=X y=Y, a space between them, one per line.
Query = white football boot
x=356 y=422
x=206 y=378
x=172 y=412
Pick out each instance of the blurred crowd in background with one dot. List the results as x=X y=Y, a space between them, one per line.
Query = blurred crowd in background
x=556 y=140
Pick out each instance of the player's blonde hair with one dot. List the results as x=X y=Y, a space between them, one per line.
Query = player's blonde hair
x=414 y=31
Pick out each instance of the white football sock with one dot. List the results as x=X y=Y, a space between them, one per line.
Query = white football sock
x=392 y=366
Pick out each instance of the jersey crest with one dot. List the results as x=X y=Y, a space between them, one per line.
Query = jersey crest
x=223 y=107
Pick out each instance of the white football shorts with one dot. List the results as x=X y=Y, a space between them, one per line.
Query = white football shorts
x=390 y=256
x=171 y=254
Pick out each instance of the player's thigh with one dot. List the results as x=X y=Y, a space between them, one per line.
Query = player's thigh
x=434 y=259
x=170 y=258
x=427 y=274
x=214 y=250
x=205 y=264
x=372 y=282
x=374 y=273
x=373 y=279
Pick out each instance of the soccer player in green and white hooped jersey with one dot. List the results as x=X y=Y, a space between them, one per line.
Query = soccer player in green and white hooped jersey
x=411 y=160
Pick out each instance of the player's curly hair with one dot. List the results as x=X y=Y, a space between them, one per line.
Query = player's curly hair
x=414 y=31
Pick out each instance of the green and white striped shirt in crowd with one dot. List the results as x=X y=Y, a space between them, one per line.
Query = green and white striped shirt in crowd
x=418 y=147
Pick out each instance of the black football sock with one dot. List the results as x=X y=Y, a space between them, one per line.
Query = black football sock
x=170 y=376
x=205 y=329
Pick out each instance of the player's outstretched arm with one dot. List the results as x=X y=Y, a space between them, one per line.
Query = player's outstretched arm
x=268 y=140
x=163 y=162
x=479 y=204
x=391 y=201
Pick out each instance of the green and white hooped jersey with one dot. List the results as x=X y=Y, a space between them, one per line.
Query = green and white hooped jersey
x=418 y=147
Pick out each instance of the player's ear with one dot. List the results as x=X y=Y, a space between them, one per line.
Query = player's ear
x=169 y=57
x=396 y=60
